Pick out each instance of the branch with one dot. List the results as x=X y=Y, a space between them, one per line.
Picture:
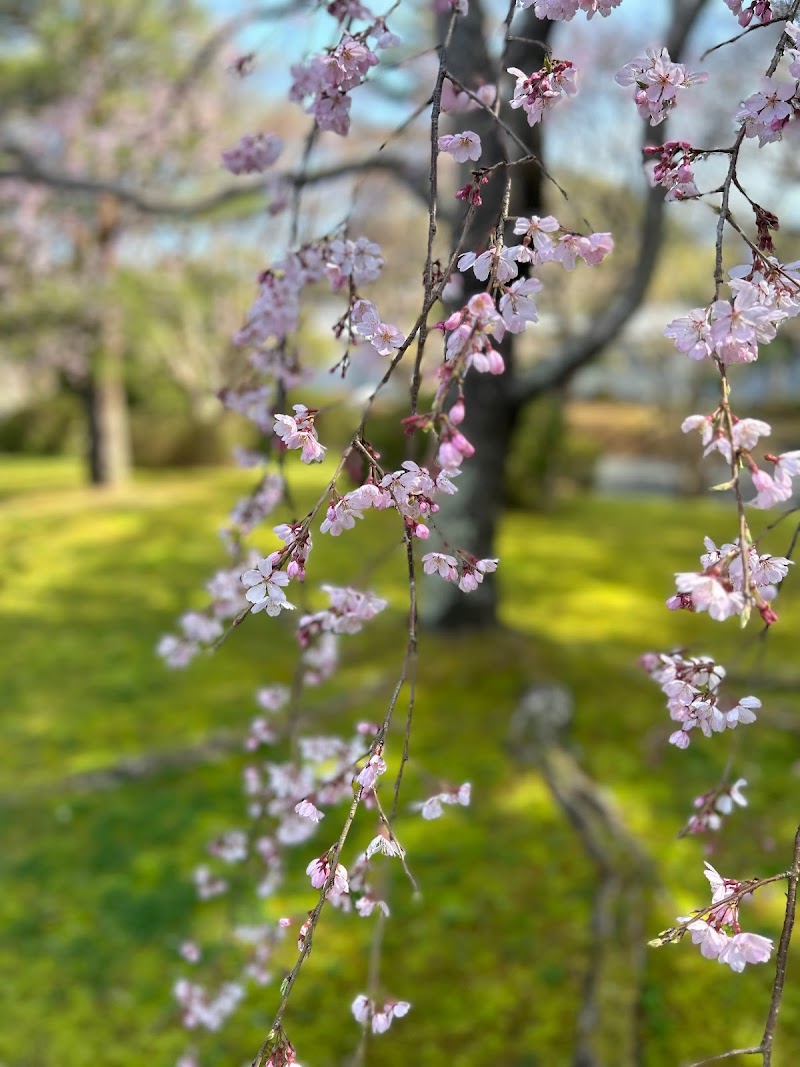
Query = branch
x=29 y=169
x=580 y=351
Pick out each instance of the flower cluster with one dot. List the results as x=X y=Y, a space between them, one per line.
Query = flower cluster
x=544 y=240
x=253 y=154
x=433 y=807
x=321 y=873
x=367 y=326
x=711 y=806
x=299 y=431
x=674 y=169
x=564 y=10
x=538 y=92
x=760 y=9
x=691 y=685
x=467 y=571
x=767 y=113
x=410 y=491
x=366 y=1012
x=712 y=934
x=657 y=81
x=276 y=311
x=199 y=630
x=721 y=588
x=730 y=331
x=348 y=612
x=325 y=82
x=198 y=1009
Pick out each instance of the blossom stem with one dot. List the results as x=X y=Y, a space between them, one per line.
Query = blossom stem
x=783 y=951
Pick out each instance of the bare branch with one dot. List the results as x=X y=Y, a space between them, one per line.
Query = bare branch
x=29 y=169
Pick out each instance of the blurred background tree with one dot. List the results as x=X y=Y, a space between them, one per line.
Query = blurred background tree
x=105 y=140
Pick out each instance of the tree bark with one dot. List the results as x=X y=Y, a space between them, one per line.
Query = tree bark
x=109 y=453
x=109 y=448
x=469 y=518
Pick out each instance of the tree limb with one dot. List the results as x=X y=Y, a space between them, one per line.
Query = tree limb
x=29 y=169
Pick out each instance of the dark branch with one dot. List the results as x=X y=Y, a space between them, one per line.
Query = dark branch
x=29 y=169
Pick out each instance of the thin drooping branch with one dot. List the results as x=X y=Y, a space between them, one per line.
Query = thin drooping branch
x=764 y=1048
x=577 y=353
x=783 y=951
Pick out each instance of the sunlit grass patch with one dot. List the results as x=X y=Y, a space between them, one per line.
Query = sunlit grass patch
x=96 y=893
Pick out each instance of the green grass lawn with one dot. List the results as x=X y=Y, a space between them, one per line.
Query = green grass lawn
x=96 y=893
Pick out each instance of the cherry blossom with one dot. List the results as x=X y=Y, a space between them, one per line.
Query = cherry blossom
x=719 y=935
x=253 y=154
x=537 y=237
x=360 y=261
x=383 y=337
x=713 y=805
x=759 y=9
x=442 y=564
x=564 y=10
x=385 y=845
x=516 y=307
x=374 y=768
x=365 y=906
x=298 y=431
x=765 y=114
x=307 y=810
x=367 y=1013
x=691 y=334
x=319 y=871
x=432 y=808
x=657 y=81
x=792 y=30
x=265 y=588
x=461 y=146
x=674 y=169
x=536 y=93
x=501 y=261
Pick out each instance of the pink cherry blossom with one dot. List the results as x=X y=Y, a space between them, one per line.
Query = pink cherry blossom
x=536 y=93
x=770 y=491
x=253 y=154
x=564 y=10
x=319 y=871
x=307 y=810
x=461 y=146
x=442 y=564
x=298 y=431
x=691 y=334
x=657 y=82
x=265 y=588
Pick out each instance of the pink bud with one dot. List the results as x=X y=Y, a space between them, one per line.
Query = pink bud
x=768 y=614
x=457 y=412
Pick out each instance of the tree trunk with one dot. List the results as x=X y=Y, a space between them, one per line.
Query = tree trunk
x=469 y=519
x=109 y=446
x=109 y=455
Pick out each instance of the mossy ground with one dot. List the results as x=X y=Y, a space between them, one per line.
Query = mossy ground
x=96 y=892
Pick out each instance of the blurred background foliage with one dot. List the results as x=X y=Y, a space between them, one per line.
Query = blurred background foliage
x=116 y=773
